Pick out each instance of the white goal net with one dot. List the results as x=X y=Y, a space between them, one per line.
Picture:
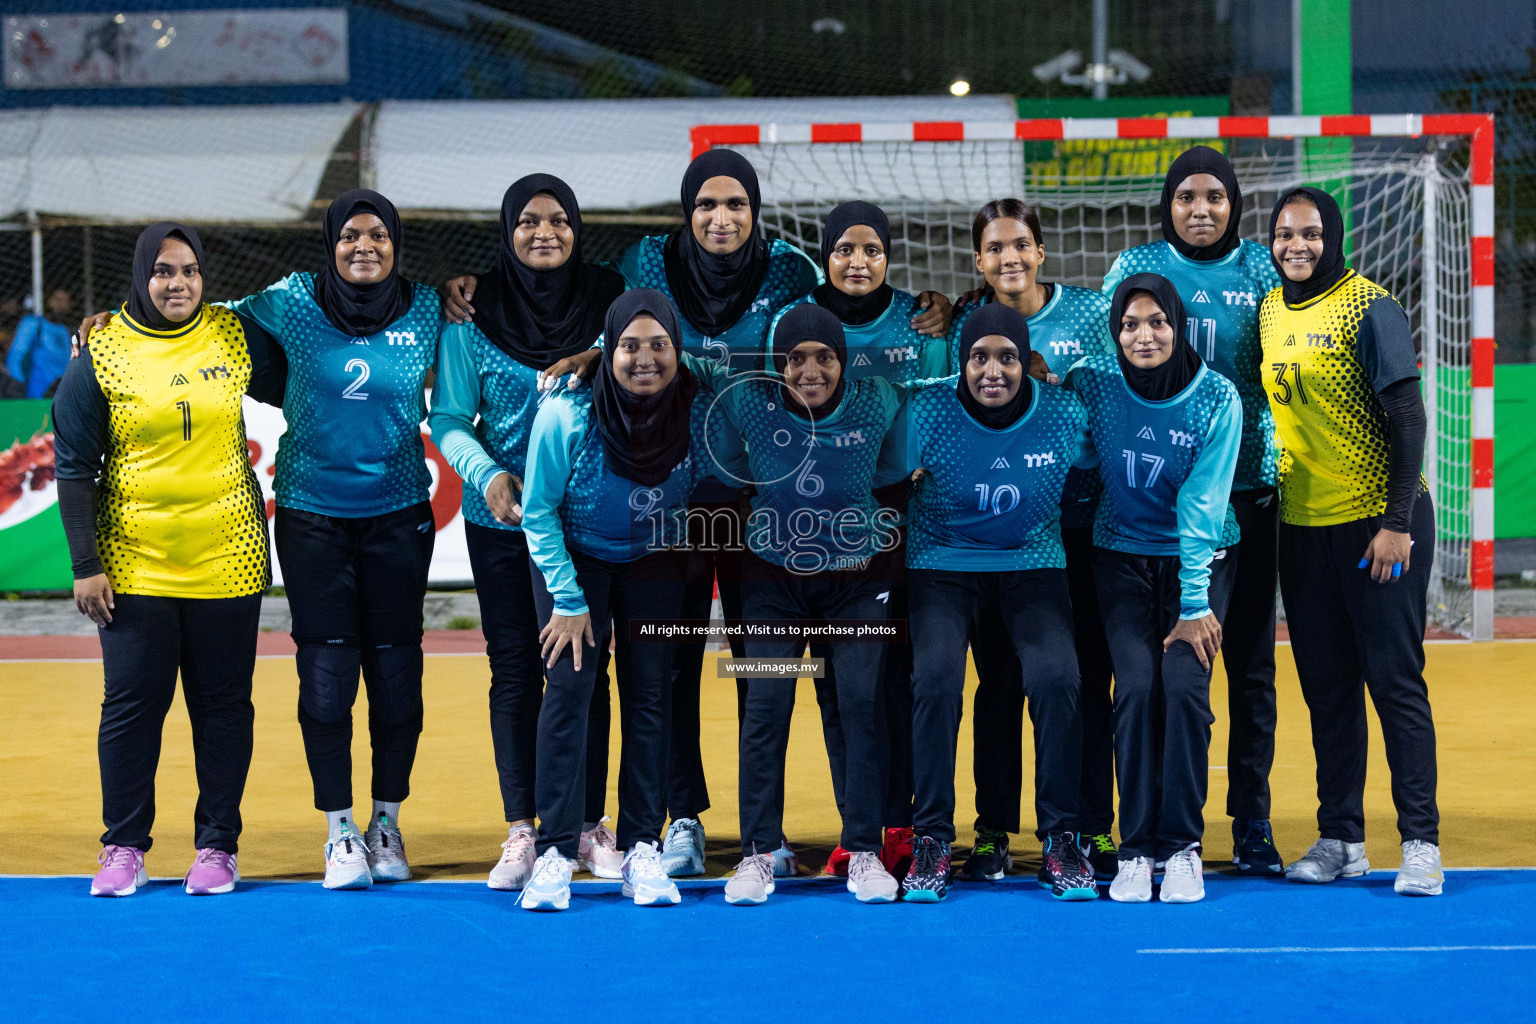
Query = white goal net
x=1407 y=208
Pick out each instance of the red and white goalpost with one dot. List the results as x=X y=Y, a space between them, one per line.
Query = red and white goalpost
x=1417 y=192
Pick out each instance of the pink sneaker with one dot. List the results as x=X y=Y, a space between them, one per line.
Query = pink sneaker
x=598 y=852
x=122 y=871
x=213 y=872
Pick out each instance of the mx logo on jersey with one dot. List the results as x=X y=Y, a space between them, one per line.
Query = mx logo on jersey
x=400 y=337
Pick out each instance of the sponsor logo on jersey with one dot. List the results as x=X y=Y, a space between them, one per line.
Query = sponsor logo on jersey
x=1239 y=298
x=1290 y=341
x=1145 y=433
x=757 y=305
x=1180 y=439
x=1320 y=341
x=359 y=341
x=901 y=354
x=849 y=439
x=219 y=372
x=861 y=360
x=1039 y=459
x=1000 y=463
x=1201 y=296
x=178 y=379
x=400 y=337
x=1062 y=348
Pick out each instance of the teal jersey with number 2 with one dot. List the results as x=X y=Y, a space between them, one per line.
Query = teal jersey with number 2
x=1221 y=310
x=354 y=406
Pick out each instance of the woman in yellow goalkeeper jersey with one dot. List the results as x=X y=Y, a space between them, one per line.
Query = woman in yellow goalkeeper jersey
x=1357 y=534
x=168 y=538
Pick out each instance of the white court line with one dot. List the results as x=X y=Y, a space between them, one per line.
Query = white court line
x=1264 y=950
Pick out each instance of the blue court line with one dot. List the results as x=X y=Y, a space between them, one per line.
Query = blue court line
x=276 y=952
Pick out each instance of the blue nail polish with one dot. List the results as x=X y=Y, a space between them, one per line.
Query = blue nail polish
x=1364 y=563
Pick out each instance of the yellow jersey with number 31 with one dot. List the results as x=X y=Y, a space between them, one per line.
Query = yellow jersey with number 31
x=179 y=511
x=1324 y=362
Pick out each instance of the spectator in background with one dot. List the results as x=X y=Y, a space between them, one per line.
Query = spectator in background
x=40 y=347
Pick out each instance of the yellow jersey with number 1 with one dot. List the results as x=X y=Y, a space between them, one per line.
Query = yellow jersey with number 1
x=1324 y=362
x=179 y=511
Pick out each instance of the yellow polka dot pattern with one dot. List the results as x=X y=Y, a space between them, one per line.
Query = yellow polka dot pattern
x=1330 y=428
x=179 y=511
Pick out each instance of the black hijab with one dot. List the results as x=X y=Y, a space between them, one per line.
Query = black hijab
x=1203 y=160
x=810 y=322
x=644 y=436
x=712 y=292
x=140 y=307
x=1331 y=267
x=853 y=310
x=1166 y=380
x=540 y=316
x=996 y=318
x=361 y=309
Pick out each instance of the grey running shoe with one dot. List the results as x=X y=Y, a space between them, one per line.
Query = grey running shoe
x=386 y=851
x=1421 y=874
x=1329 y=859
x=753 y=882
x=1184 y=878
x=682 y=850
x=869 y=881
x=1133 y=882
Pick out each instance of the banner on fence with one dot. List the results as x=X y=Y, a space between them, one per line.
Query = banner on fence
x=305 y=46
x=33 y=553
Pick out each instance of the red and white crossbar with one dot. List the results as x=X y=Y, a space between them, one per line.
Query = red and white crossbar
x=1478 y=127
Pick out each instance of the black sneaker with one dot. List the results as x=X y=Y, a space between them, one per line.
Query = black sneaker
x=1102 y=855
x=1253 y=847
x=1064 y=870
x=927 y=880
x=989 y=859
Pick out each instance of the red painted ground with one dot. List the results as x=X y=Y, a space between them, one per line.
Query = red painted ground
x=470 y=641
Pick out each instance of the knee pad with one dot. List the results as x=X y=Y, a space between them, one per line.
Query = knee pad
x=395 y=671
x=328 y=680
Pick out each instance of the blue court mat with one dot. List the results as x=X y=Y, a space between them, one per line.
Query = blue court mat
x=1253 y=950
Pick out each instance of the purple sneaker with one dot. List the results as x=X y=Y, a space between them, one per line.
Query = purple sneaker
x=122 y=871
x=213 y=872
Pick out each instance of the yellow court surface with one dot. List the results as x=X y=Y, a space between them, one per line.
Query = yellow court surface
x=1484 y=699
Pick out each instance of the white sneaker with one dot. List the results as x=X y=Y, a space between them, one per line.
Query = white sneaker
x=869 y=881
x=516 y=865
x=1421 y=874
x=550 y=886
x=386 y=851
x=346 y=861
x=645 y=881
x=1133 y=882
x=1329 y=859
x=784 y=863
x=1184 y=878
x=753 y=882
x=682 y=851
x=599 y=851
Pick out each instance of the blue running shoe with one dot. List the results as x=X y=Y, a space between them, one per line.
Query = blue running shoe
x=644 y=880
x=1253 y=847
x=550 y=886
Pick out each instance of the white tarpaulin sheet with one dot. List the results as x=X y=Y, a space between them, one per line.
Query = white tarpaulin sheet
x=213 y=47
x=615 y=154
x=257 y=163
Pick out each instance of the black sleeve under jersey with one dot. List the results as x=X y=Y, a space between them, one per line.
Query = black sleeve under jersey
x=80 y=424
x=269 y=365
x=1406 y=425
x=1384 y=344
